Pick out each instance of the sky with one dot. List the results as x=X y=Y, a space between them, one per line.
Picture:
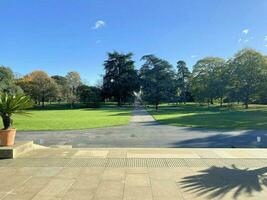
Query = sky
x=58 y=36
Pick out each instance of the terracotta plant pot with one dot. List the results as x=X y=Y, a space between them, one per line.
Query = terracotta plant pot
x=7 y=137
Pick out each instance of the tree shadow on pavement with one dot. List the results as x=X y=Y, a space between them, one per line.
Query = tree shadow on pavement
x=216 y=182
x=239 y=139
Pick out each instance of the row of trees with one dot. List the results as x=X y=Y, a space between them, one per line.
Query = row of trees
x=43 y=88
x=242 y=78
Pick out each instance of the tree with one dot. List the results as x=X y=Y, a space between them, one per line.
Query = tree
x=89 y=95
x=249 y=72
x=83 y=92
x=221 y=79
x=95 y=96
x=262 y=92
x=183 y=77
x=39 y=86
x=120 y=80
x=7 y=81
x=73 y=81
x=63 y=87
x=157 y=80
x=207 y=82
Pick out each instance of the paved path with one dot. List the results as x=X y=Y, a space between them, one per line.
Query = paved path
x=144 y=131
x=135 y=174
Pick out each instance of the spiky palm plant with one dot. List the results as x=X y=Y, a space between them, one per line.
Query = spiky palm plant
x=11 y=104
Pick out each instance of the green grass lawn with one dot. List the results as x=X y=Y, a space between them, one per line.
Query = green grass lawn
x=194 y=115
x=69 y=119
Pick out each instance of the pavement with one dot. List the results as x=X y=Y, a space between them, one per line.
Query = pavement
x=144 y=132
x=66 y=173
x=135 y=174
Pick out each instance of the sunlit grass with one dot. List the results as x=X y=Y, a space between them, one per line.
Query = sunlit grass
x=194 y=115
x=68 y=119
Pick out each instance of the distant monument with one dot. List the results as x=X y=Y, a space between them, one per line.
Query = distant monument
x=137 y=99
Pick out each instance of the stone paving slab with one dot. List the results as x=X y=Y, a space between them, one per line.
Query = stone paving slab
x=165 y=174
x=147 y=153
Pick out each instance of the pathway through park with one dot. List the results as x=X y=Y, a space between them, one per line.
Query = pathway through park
x=144 y=131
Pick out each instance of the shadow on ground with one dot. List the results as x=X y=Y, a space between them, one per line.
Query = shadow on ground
x=217 y=182
x=222 y=140
x=215 y=117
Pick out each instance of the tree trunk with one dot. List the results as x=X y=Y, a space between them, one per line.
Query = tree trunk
x=6 y=121
x=72 y=105
x=157 y=106
x=211 y=101
x=246 y=102
x=43 y=100
x=184 y=98
x=119 y=101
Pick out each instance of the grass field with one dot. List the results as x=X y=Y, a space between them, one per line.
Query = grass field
x=52 y=118
x=193 y=115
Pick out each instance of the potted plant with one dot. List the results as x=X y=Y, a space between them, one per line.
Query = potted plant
x=11 y=104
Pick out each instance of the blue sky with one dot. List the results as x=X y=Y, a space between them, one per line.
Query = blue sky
x=64 y=35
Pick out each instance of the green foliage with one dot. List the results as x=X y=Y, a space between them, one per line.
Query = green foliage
x=7 y=81
x=89 y=95
x=249 y=69
x=13 y=104
x=120 y=80
x=39 y=86
x=183 y=81
x=157 y=80
x=206 y=79
x=63 y=88
x=242 y=78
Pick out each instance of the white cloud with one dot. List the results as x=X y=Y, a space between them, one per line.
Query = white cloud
x=99 y=24
x=194 y=56
x=245 y=37
x=245 y=31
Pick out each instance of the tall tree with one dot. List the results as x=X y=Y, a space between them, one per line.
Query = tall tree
x=73 y=81
x=121 y=79
x=63 y=87
x=157 y=80
x=39 y=86
x=90 y=95
x=249 y=71
x=206 y=83
x=183 y=76
x=7 y=81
